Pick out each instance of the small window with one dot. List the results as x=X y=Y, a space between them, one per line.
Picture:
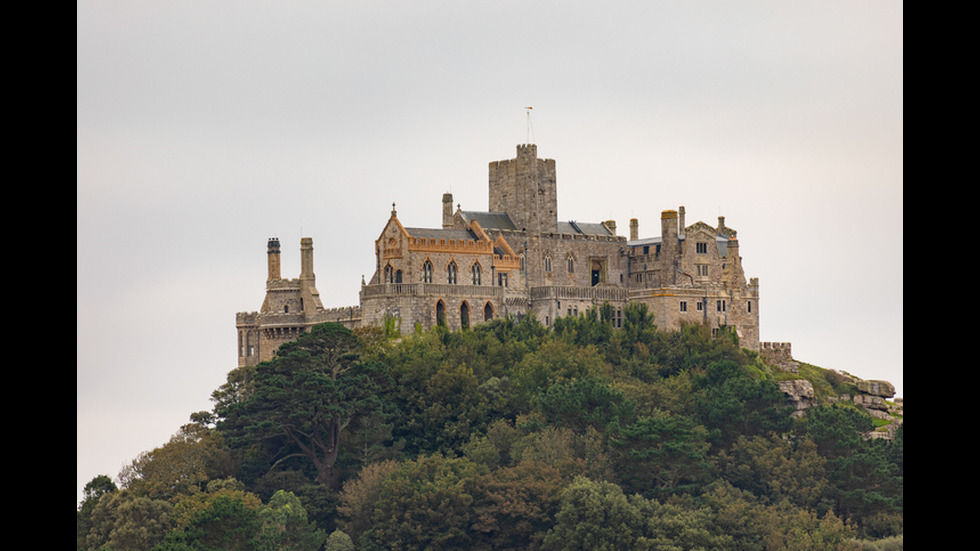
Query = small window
x=427 y=272
x=702 y=270
x=749 y=305
x=683 y=306
x=547 y=264
x=451 y=273
x=476 y=274
x=722 y=306
x=702 y=248
x=571 y=265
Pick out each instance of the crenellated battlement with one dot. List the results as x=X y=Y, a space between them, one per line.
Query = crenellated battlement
x=779 y=354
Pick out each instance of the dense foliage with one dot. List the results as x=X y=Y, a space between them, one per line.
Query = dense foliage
x=508 y=435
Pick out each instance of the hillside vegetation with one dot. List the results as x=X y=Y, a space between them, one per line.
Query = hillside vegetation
x=510 y=435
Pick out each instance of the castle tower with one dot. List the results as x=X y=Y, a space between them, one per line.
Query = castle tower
x=526 y=188
x=275 y=272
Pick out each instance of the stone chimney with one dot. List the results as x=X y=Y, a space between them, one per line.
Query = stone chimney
x=306 y=259
x=275 y=272
x=447 y=210
x=634 y=229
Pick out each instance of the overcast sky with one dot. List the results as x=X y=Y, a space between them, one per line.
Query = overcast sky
x=204 y=128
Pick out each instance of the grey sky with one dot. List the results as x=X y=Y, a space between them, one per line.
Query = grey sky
x=204 y=128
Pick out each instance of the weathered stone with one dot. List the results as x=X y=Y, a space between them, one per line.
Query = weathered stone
x=876 y=388
x=800 y=394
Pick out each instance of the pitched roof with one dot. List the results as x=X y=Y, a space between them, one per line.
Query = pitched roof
x=489 y=220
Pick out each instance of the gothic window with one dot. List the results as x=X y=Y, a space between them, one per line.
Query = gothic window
x=427 y=272
x=441 y=313
x=571 y=264
x=547 y=264
x=523 y=263
x=488 y=312
x=476 y=273
x=464 y=315
x=451 y=273
x=388 y=271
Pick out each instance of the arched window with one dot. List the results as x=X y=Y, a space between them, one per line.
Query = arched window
x=547 y=263
x=488 y=312
x=398 y=276
x=523 y=262
x=571 y=264
x=441 y=313
x=427 y=272
x=388 y=271
x=464 y=315
x=476 y=273
x=451 y=273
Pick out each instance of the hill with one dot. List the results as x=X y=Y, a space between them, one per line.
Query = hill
x=514 y=435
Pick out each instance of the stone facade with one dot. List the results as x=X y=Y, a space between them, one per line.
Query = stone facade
x=517 y=259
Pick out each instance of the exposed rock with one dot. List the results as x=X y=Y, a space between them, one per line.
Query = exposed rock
x=800 y=393
x=883 y=389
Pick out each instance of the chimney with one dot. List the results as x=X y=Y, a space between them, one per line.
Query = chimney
x=306 y=258
x=634 y=229
x=447 y=211
x=274 y=271
x=680 y=219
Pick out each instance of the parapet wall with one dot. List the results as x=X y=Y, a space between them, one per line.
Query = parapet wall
x=779 y=354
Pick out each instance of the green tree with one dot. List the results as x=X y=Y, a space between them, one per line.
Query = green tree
x=285 y=526
x=125 y=521
x=662 y=454
x=180 y=467
x=595 y=516
x=228 y=523
x=307 y=396
x=425 y=504
x=93 y=491
x=732 y=404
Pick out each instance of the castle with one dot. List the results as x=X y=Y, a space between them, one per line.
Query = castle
x=517 y=258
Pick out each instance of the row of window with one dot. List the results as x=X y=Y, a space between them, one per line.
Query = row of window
x=720 y=305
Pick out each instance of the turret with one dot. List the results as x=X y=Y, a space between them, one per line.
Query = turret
x=274 y=266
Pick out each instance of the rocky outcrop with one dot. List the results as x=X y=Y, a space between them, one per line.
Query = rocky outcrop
x=800 y=394
x=872 y=395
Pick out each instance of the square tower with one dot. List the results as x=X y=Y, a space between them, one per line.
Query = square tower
x=526 y=188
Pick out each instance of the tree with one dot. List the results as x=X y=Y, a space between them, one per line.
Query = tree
x=595 y=516
x=93 y=492
x=662 y=454
x=307 y=396
x=425 y=504
x=124 y=521
x=285 y=526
